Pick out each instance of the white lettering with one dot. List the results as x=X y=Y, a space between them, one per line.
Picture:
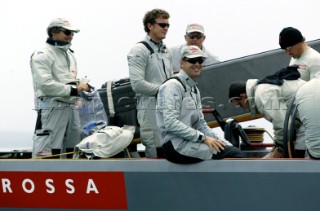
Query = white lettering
x=28 y=186
x=91 y=187
x=69 y=184
x=50 y=187
x=25 y=181
x=6 y=185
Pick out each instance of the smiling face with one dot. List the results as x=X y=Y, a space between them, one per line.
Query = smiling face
x=192 y=66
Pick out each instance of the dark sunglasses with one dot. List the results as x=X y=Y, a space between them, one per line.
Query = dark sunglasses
x=163 y=25
x=199 y=60
x=192 y=36
x=67 y=32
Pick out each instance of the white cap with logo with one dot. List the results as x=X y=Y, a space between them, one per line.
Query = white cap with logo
x=192 y=51
x=194 y=27
x=63 y=23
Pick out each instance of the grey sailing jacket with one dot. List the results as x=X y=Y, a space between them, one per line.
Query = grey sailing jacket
x=180 y=119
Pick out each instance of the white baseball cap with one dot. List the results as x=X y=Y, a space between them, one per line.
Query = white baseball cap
x=192 y=51
x=63 y=23
x=194 y=27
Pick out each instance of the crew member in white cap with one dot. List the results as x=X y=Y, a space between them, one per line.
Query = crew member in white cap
x=194 y=36
x=56 y=90
x=184 y=133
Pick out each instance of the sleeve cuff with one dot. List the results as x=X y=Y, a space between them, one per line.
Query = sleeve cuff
x=74 y=91
x=201 y=138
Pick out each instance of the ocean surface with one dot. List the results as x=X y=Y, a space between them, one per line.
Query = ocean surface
x=15 y=140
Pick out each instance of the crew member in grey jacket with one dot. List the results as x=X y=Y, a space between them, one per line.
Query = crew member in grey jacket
x=184 y=133
x=56 y=88
x=148 y=69
x=194 y=36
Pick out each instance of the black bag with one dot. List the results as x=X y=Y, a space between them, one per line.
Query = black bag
x=120 y=103
x=123 y=110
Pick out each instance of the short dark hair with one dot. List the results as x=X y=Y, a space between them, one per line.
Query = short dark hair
x=151 y=16
x=236 y=88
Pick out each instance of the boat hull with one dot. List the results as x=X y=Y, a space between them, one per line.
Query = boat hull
x=157 y=184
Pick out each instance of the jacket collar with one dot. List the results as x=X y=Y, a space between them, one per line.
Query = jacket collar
x=58 y=43
x=186 y=79
x=160 y=45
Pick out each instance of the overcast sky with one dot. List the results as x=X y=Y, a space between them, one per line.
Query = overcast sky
x=110 y=28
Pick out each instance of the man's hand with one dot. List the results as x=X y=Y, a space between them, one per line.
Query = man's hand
x=214 y=143
x=83 y=87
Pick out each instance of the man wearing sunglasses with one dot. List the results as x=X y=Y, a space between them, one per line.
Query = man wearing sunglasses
x=308 y=59
x=194 y=36
x=56 y=90
x=185 y=135
x=149 y=66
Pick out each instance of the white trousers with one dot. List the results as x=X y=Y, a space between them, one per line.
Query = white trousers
x=56 y=128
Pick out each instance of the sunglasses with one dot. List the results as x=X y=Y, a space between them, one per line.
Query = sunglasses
x=163 y=25
x=67 y=32
x=199 y=60
x=192 y=36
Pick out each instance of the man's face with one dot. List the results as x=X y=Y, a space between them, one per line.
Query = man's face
x=158 y=30
x=241 y=101
x=63 y=35
x=294 y=51
x=192 y=66
x=195 y=38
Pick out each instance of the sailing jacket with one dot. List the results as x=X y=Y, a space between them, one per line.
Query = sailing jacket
x=308 y=101
x=180 y=118
x=148 y=70
x=308 y=62
x=271 y=100
x=54 y=71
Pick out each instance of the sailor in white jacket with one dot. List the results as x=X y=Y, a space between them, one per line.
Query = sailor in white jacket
x=56 y=88
x=268 y=99
x=308 y=105
x=308 y=59
x=184 y=133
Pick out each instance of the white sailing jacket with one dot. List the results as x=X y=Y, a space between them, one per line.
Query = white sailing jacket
x=271 y=100
x=54 y=71
x=308 y=104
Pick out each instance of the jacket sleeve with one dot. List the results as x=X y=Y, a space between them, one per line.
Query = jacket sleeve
x=137 y=61
x=269 y=102
x=203 y=126
x=42 y=74
x=170 y=99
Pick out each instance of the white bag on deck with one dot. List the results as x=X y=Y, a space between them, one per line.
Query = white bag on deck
x=108 y=141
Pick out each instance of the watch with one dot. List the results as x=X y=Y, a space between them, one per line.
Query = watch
x=202 y=138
